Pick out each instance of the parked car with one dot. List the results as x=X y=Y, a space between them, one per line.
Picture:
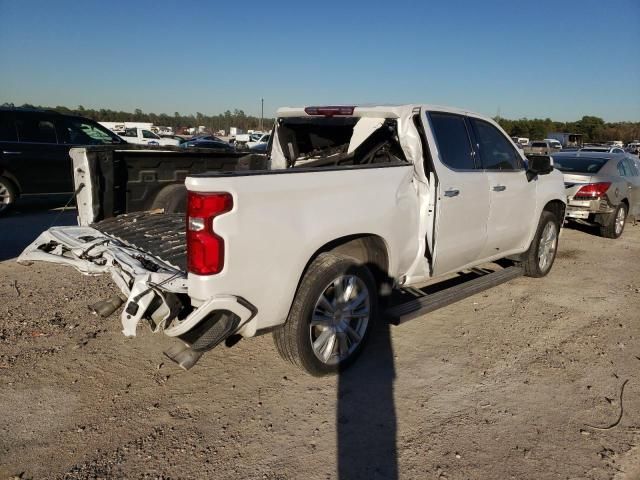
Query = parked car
x=542 y=147
x=555 y=144
x=259 y=148
x=352 y=202
x=602 y=149
x=34 y=151
x=263 y=139
x=206 y=143
x=603 y=188
x=178 y=138
x=141 y=136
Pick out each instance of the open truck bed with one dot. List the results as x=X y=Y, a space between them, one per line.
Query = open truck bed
x=158 y=234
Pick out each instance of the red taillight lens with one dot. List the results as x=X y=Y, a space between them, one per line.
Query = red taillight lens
x=329 y=111
x=592 y=191
x=205 y=249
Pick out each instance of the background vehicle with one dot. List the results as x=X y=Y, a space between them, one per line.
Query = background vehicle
x=541 y=147
x=602 y=149
x=207 y=143
x=263 y=139
x=555 y=144
x=141 y=136
x=178 y=138
x=567 y=140
x=603 y=189
x=350 y=202
x=34 y=151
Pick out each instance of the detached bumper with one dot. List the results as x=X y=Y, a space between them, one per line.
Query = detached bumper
x=156 y=291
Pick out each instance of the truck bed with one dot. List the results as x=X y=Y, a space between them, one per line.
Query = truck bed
x=161 y=235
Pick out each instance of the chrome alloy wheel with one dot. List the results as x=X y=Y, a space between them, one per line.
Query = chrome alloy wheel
x=620 y=219
x=340 y=319
x=548 y=245
x=5 y=197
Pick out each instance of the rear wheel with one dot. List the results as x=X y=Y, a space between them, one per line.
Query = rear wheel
x=331 y=317
x=8 y=195
x=542 y=252
x=615 y=224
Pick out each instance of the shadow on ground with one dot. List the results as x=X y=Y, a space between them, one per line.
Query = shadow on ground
x=28 y=219
x=366 y=417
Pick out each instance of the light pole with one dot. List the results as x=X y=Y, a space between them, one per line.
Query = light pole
x=262 y=114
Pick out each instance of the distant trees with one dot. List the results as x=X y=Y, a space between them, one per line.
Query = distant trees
x=594 y=129
x=237 y=118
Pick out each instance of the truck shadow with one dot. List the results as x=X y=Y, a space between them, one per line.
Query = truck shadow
x=366 y=415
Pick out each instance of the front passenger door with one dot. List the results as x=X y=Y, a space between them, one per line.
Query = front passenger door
x=513 y=196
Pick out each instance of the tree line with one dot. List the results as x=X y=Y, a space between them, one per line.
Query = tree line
x=178 y=121
x=594 y=129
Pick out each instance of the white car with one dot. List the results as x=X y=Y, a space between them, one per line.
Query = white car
x=141 y=136
x=262 y=139
x=350 y=203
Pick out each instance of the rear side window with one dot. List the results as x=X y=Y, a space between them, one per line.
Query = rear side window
x=632 y=168
x=496 y=151
x=7 y=129
x=623 y=169
x=453 y=140
x=36 y=130
x=80 y=132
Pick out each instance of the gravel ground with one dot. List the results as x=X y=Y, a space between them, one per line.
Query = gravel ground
x=501 y=385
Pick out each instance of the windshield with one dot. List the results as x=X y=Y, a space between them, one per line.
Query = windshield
x=579 y=164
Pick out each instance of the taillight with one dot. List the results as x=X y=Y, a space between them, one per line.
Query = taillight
x=205 y=249
x=592 y=191
x=329 y=111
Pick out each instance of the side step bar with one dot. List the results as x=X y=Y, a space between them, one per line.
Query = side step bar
x=429 y=302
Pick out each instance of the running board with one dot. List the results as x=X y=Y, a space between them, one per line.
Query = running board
x=429 y=302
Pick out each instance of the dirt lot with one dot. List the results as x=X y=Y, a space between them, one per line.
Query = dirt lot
x=501 y=385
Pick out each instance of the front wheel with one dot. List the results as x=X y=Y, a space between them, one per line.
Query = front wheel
x=8 y=195
x=331 y=317
x=539 y=258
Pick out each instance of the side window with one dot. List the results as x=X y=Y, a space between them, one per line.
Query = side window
x=79 y=132
x=37 y=130
x=453 y=140
x=622 y=169
x=631 y=166
x=130 y=132
x=148 y=134
x=496 y=152
x=7 y=129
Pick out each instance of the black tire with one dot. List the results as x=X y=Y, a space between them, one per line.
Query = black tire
x=531 y=259
x=294 y=339
x=8 y=195
x=609 y=229
x=172 y=198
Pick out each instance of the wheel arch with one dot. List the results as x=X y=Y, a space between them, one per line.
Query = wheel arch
x=557 y=207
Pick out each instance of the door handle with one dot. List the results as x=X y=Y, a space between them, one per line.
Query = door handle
x=451 y=193
x=499 y=188
x=8 y=152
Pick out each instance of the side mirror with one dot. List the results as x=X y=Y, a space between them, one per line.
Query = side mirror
x=539 y=165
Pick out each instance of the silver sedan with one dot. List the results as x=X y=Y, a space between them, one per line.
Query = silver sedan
x=603 y=189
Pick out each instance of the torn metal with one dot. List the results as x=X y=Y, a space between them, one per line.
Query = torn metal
x=151 y=285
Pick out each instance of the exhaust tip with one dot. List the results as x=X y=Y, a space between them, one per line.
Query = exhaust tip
x=105 y=308
x=183 y=355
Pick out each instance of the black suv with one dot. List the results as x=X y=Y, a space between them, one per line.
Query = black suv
x=34 y=151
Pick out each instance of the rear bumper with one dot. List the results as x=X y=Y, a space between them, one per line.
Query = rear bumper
x=156 y=291
x=587 y=209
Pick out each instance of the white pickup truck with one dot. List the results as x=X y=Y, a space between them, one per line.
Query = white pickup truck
x=349 y=203
x=140 y=136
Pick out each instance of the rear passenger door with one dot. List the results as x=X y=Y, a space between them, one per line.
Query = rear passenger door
x=462 y=196
x=44 y=166
x=513 y=197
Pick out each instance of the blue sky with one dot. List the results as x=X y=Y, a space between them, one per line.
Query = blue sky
x=560 y=59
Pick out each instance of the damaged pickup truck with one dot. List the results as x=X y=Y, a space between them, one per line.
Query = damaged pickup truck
x=348 y=204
